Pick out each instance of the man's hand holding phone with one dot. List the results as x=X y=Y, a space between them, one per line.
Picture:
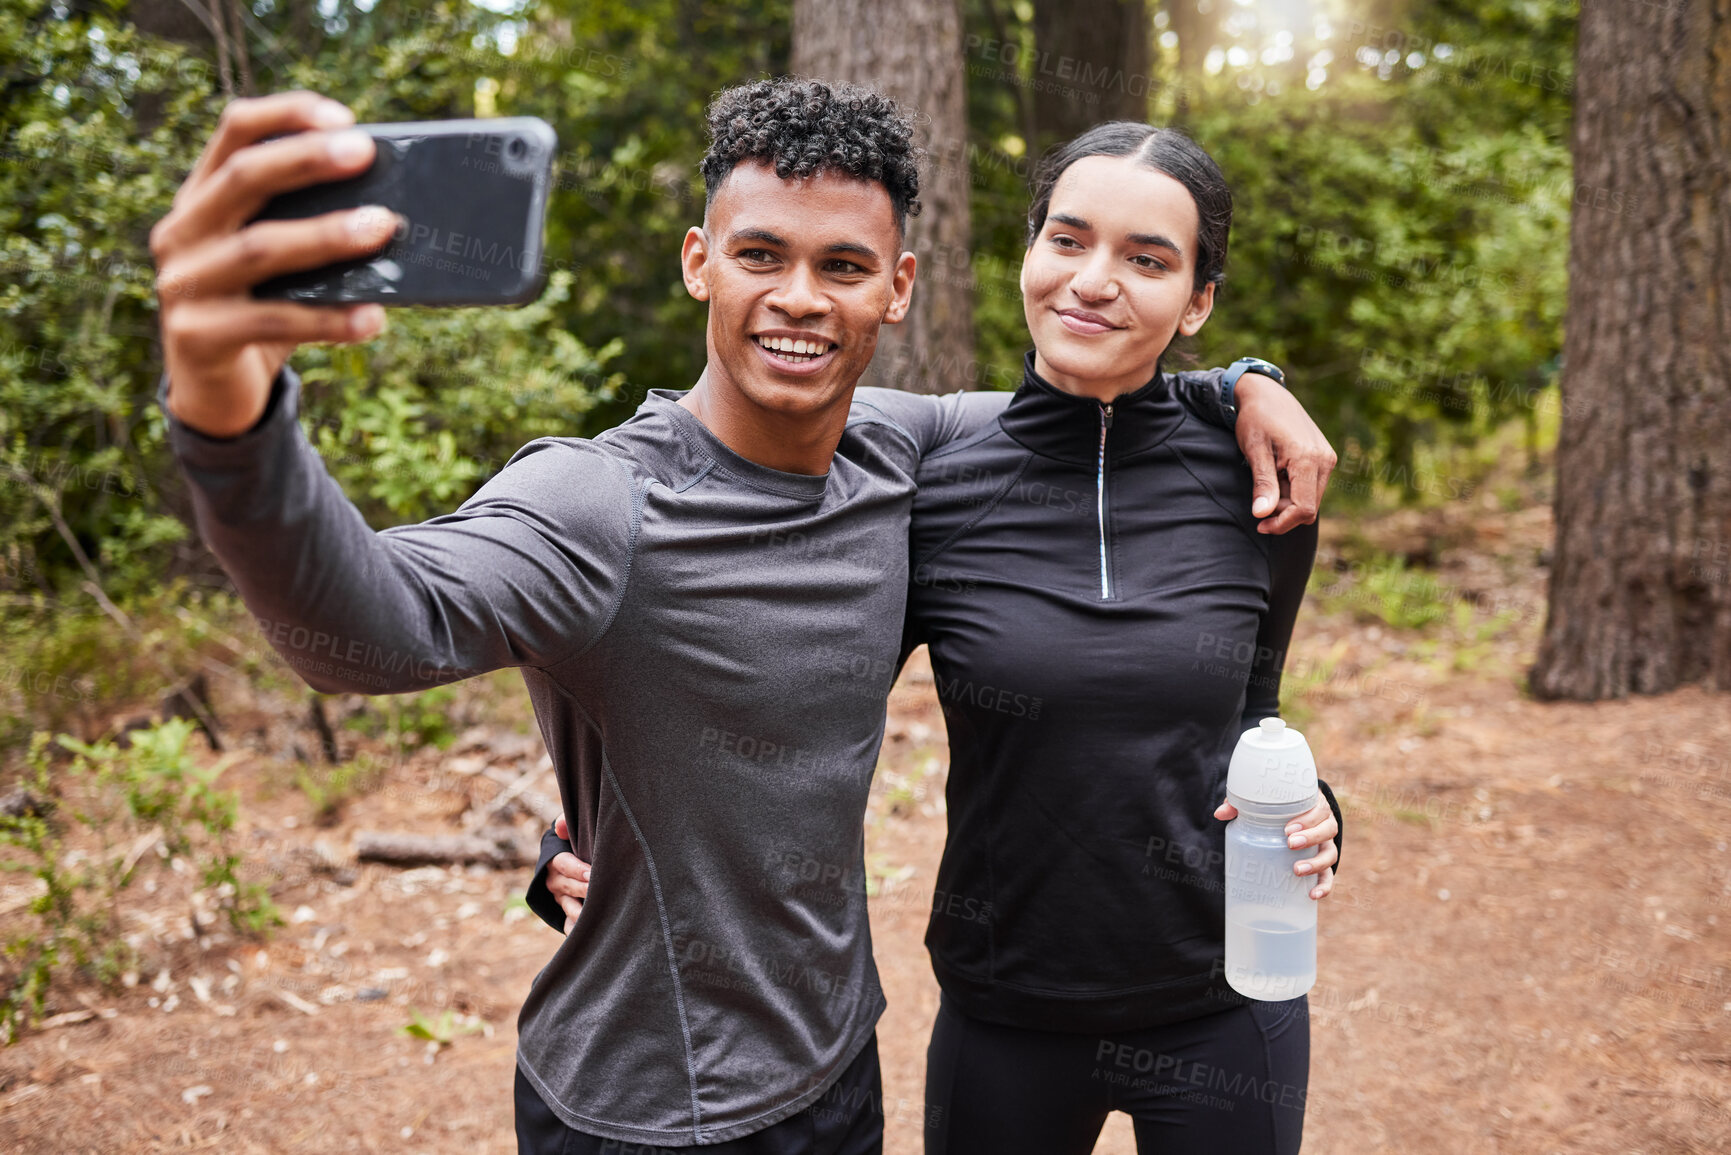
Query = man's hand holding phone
x=223 y=348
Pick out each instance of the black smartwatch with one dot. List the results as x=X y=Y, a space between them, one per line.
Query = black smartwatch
x=1238 y=369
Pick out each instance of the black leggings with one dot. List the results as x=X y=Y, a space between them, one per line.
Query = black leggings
x=1234 y=1081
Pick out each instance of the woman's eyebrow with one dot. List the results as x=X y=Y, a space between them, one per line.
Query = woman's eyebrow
x=1155 y=240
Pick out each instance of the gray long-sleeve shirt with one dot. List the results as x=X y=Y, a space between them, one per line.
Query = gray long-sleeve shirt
x=708 y=644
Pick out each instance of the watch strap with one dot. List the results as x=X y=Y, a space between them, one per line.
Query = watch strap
x=1239 y=368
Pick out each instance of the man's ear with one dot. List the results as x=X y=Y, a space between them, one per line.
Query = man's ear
x=1201 y=304
x=902 y=289
x=693 y=259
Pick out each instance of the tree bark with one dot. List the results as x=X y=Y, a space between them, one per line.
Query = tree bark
x=1640 y=584
x=1196 y=29
x=1091 y=65
x=188 y=24
x=911 y=50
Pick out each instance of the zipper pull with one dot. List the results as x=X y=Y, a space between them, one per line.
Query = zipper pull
x=1106 y=415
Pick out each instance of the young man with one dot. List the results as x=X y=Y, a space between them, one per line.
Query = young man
x=675 y=592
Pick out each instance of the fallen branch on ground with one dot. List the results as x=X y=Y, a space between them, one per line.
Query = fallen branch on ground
x=502 y=850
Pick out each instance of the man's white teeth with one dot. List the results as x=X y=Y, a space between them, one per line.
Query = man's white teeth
x=794 y=350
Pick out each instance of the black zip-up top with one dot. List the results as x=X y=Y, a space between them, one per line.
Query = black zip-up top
x=1104 y=621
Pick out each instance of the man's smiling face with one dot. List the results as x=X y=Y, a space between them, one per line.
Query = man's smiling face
x=799 y=275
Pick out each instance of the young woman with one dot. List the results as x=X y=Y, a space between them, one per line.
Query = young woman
x=1104 y=620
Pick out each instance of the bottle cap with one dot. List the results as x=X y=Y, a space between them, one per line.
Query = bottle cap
x=1272 y=766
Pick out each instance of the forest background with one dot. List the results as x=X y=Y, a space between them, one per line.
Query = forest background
x=1487 y=240
x=1401 y=173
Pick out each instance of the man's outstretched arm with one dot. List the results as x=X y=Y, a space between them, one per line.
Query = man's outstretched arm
x=525 y=573
x=1290 y=459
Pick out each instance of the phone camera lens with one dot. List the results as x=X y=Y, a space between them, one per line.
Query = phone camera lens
x=516 y=149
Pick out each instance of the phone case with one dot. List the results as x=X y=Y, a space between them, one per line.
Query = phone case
x=474 y=196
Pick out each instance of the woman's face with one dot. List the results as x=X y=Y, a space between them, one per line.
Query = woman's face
x=1108 y=282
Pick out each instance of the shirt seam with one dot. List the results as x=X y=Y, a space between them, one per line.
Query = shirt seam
x=667 y=941
x=1215 y=498
x=634 y=534
x=814 y=1094
x=879 y=417
x=996 y=500
x=768 y=1117
x=717 y=468
x=547 y=1093
x=707 y=469
x=984 y=433
x=714 y=465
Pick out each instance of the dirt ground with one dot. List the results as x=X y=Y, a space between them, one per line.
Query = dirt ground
x=1526 y=953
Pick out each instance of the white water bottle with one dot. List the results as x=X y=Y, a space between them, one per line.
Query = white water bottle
x=1270 y=916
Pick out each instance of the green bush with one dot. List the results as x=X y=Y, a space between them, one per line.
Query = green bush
x=64 y=664
x=117 y=797
x=409 y=721
x=1385 y=590
x=328 y=788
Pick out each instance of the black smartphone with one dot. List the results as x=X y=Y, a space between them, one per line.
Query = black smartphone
x=473 y=194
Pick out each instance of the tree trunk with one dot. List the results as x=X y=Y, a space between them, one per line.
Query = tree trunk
x=1640 y=588
x=1196 y=24
x=1091 y=65
x=911 y=50
x=176 y=20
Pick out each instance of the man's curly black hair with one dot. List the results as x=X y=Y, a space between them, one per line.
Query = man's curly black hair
x=804 y=127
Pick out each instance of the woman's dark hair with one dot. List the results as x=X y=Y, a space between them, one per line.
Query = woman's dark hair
x=804 y=127
x=1164 y=150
